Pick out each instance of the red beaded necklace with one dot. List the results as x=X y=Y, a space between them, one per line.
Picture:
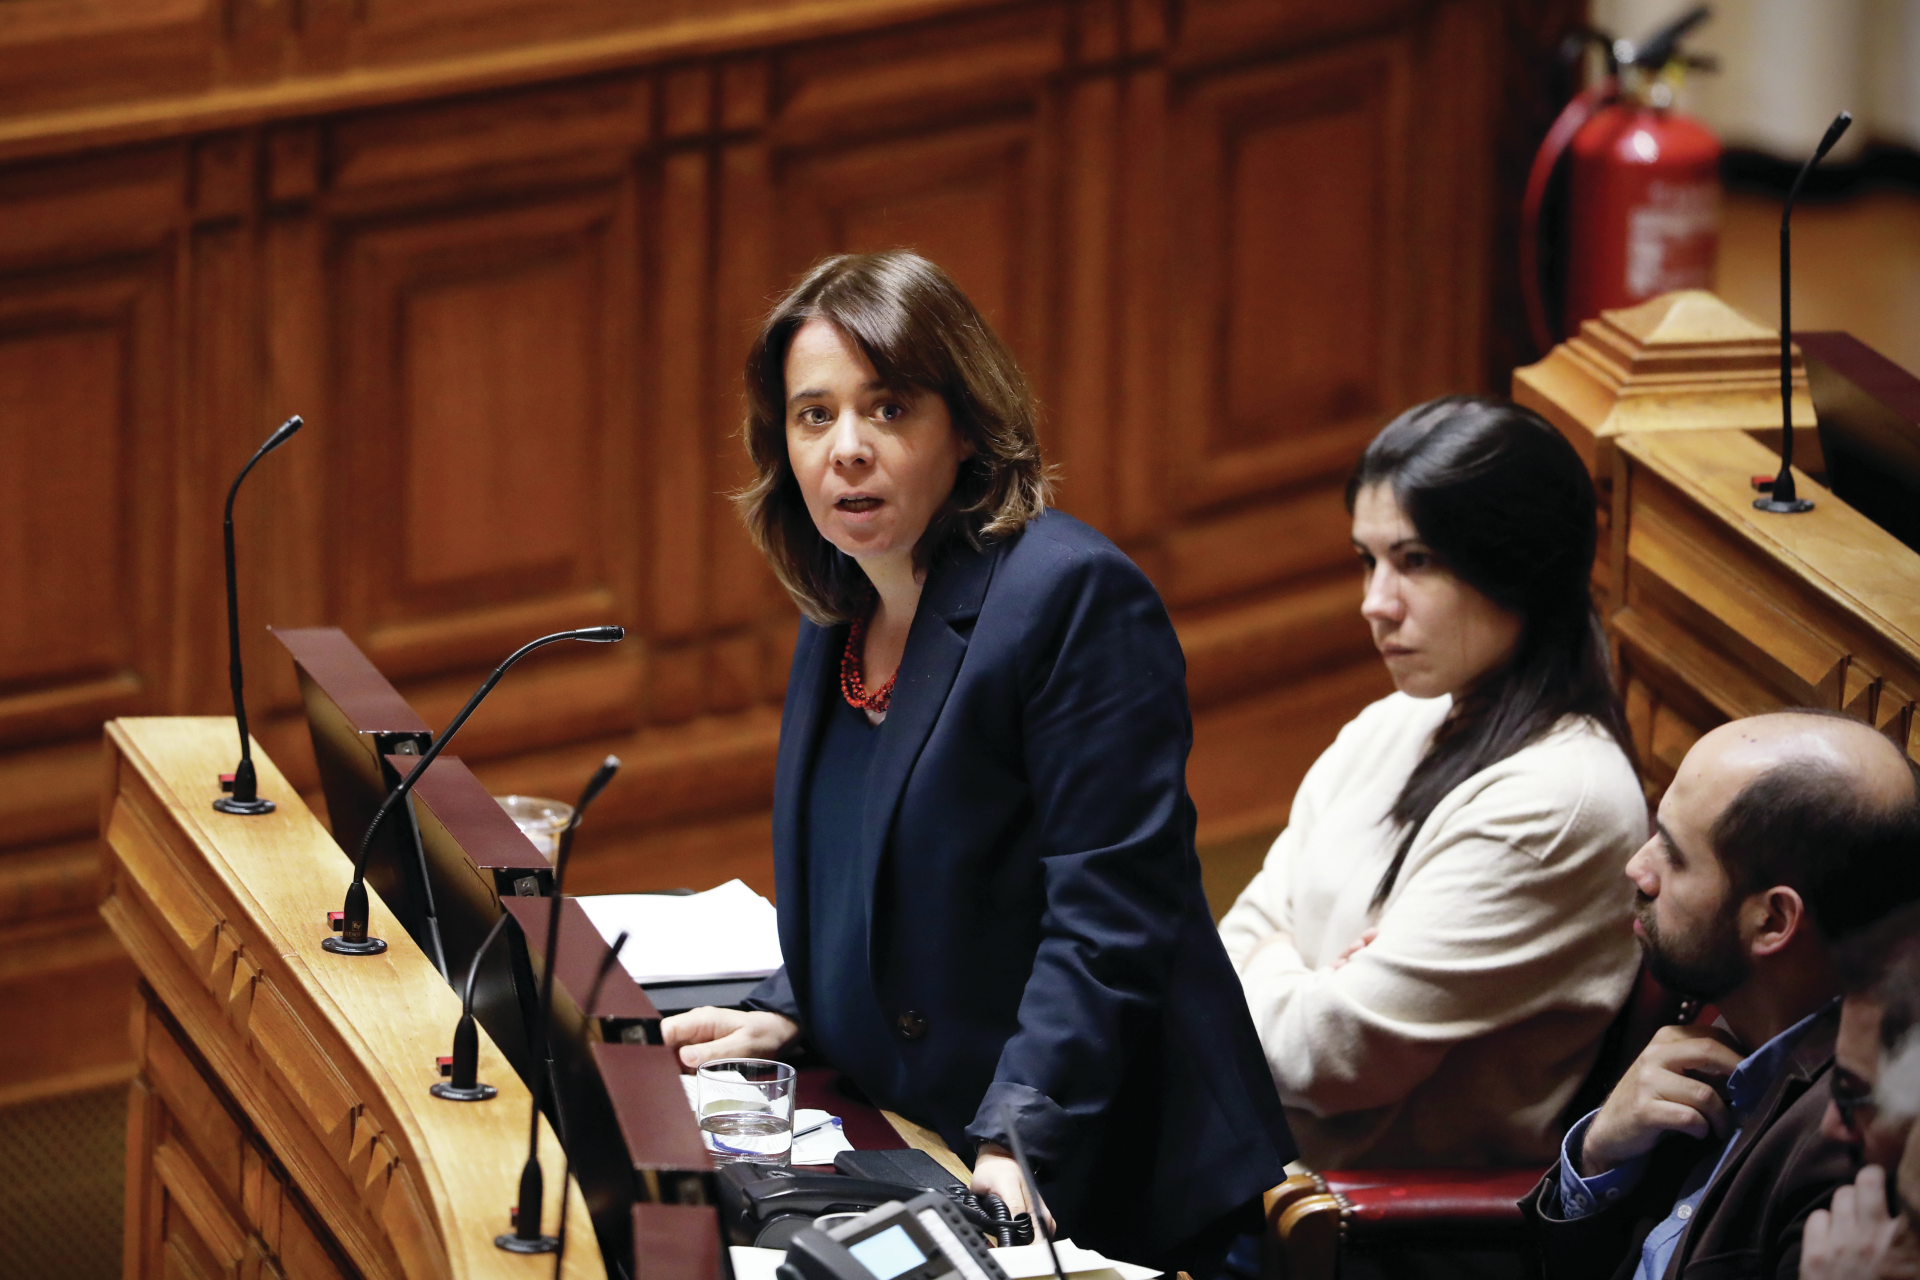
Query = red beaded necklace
x=852 y=688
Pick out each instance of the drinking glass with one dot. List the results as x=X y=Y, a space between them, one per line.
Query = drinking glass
x=746 y=1110
x=539 y=820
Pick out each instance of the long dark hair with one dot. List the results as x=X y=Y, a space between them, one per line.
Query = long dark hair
x=920 y=333
x=1506 y=504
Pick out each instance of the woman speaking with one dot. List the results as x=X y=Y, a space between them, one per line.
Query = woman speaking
x=989 y=902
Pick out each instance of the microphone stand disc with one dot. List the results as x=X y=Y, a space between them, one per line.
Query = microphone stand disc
x=245 y=808
x=341 y=947
x=454 y=1093
x=514 y=1244
x=1775 y=506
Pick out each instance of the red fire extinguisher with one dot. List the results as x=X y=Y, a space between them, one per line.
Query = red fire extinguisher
x=1641 y=192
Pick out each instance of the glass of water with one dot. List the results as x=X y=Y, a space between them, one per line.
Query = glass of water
x=539 y=820
x=746 y=1110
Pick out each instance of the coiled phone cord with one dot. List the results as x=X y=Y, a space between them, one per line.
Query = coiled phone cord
x=989 y=1213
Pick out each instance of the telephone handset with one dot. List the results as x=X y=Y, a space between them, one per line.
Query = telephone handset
x=765 y=1205
x=925 y=1238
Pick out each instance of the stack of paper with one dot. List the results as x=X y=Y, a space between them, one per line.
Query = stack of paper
x=728 y=932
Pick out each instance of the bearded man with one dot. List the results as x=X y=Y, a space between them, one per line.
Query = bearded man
x=1780 y=834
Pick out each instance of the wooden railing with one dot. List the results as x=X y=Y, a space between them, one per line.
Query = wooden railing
x=281 y=1124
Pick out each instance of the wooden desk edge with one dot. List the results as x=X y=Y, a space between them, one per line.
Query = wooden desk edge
x=277 y=974
x=1675 y=457
x=924 y=1139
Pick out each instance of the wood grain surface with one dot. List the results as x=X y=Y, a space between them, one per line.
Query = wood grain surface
x=280 y=1084
x=505 y=257
x=1727 y=611
x=1718 y=610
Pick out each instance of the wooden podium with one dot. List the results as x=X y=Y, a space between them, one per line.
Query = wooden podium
x=280 y=1125
x=1717 y=610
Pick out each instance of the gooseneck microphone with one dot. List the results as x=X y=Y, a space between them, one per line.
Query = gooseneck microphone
x=351 y=920
x=1033 y=1189
x=463 y=1068
x=244 y=789
x=526 y=1236
x=566 y=1173
x=1782 y=499
x=541 y=1048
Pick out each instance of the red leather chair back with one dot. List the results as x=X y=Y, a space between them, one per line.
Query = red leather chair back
x=1476 y=1208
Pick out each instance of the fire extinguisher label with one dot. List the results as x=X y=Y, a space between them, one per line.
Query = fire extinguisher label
x=1671 y=239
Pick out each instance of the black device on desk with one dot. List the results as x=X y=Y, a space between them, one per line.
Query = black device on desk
x=767 y=1206
x=925 y=1238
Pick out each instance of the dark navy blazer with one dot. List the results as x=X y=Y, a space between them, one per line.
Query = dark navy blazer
x=1036 y=932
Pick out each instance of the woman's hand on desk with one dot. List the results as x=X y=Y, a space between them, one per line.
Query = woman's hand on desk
x=702 y=1035
x=995 y=1170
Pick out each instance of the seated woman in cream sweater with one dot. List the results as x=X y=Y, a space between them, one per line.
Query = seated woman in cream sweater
x=1439 y=939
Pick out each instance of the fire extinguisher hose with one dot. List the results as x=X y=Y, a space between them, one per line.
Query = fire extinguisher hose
x=1584 y=106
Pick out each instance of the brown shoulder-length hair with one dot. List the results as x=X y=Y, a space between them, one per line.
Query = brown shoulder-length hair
x=921 y=335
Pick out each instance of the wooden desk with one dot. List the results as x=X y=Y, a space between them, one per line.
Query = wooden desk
x=280 y=1124
x=1725 y=611
x=1718 y=610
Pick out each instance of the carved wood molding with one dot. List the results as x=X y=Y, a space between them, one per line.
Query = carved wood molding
x=1684 y=361
x=1727 y=611
x=372 y=84
x=1717 y=610
x=328 y=1058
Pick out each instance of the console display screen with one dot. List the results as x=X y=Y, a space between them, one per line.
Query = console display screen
x=888 y=1253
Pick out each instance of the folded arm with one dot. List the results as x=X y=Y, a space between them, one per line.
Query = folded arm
x=1478 y=935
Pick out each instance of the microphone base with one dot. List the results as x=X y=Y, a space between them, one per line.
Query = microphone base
x=454 y=1093
x=341 y=947
x=1773 y=505
x=244 y=808
x=515 y=1244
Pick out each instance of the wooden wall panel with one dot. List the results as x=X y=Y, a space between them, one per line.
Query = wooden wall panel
x=505 y=258
x=476 y=377
x=83 y=391
x=959 y=196
x=1287 y=339
x=59 y=526
x=129 y=49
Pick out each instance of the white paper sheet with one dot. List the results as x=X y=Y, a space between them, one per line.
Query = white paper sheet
x=727 y=932
x=755 y=1264
x=1025 y=1261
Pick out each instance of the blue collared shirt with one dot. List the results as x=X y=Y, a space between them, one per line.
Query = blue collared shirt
x=1747 y=1085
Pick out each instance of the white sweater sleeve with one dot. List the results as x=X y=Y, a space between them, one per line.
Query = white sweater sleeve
x=1265 y=906
x=1485 y=927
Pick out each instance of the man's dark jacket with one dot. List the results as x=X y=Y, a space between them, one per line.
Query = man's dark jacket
x=1035 y=931
x=1749 y=1222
